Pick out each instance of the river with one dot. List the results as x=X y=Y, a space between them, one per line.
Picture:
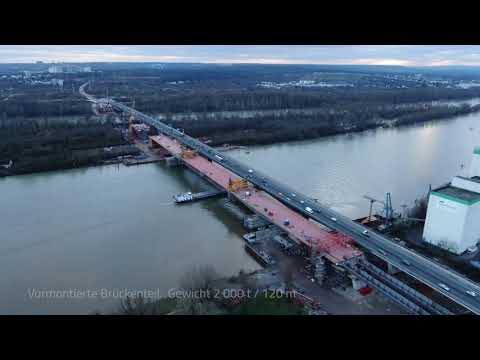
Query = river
x=112 y=228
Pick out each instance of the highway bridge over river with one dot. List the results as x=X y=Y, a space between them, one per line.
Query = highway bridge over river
x=436 y=276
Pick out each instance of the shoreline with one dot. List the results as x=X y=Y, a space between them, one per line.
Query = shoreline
x=220 y=141
x=388 y=124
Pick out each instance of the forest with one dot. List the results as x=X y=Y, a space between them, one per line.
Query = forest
x=36 y=118
x=298 y=126
x=41 y=145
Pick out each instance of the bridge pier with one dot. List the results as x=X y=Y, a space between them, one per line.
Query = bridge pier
x=319 y=269
x=392 y=270
x=172 y=161
x=153 y=144
x=357 y=283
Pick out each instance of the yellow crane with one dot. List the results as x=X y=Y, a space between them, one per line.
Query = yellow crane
x=187 y=153
x=237 y=184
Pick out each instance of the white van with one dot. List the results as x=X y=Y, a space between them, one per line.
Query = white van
x=309 y=210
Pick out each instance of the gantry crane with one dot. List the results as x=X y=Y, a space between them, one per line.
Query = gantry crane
x=387 y=207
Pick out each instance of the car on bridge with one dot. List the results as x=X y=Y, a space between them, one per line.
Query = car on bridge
x=406 y=262
x=445 y=287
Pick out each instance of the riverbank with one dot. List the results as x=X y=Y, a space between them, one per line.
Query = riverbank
x=269 y=128
x=36 y=145
x=30 y=148
x=206 y=295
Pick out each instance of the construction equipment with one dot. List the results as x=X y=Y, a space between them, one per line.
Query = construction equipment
x=387 y=207
x=187 y=153
x=237 y=184
x=372 y=200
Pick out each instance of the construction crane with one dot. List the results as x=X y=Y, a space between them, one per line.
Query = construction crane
x=387 y=206
x=372 y=201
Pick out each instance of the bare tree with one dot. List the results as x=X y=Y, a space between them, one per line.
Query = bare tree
x=199 y=282
x=199 y=278
x=134 y=306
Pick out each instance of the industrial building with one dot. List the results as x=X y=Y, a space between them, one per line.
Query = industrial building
x=454 y=210
x=55 y=69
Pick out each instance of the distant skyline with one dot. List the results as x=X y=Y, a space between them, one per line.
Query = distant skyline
x=403 y=55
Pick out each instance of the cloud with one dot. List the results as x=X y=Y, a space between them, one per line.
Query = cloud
x=383 y=61
x=404 y=55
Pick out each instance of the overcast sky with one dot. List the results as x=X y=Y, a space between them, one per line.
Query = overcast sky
x=407 y=55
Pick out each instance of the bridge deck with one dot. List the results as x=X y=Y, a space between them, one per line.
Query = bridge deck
x=336 y=246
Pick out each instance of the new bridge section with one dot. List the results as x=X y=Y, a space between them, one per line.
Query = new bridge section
x=335 y=246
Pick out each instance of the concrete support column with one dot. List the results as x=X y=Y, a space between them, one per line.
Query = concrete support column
x=153 y=144
x=319 y=269
x=392 y=270
x=357 y=283
x=173 y=161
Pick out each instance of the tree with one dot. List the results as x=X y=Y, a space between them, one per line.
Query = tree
x=198 y=286
x=134 y=306
x=199 y=278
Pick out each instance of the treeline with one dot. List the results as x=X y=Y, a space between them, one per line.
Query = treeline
x=299 y=126
x=210 y=96
x=33 y=146
x=21 y=99
x=295 y=99
x=31 y=107
x=436 y=113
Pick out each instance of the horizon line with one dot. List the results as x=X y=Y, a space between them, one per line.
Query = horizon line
x=40 y=62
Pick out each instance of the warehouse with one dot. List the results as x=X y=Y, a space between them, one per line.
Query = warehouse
x=454 y=211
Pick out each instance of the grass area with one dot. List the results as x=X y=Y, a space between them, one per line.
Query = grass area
x=264 y=305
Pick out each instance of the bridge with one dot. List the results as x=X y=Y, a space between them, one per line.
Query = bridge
x=434 y=275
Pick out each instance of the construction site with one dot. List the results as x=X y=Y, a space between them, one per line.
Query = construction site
x=297 y=253
x=299 y=241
